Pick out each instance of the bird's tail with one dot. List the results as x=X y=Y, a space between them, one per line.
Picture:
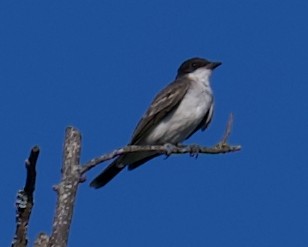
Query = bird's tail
x=132 y=160
x=108 y=173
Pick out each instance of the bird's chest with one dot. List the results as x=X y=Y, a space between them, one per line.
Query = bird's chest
x=181 y=122
x=194 y=105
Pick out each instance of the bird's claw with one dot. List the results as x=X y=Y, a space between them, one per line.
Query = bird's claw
x=194 y=150
x=168 y=149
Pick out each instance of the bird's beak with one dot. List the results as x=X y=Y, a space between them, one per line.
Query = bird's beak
x=213 y=65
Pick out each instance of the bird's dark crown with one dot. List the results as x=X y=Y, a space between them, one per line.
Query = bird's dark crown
x=195 y=63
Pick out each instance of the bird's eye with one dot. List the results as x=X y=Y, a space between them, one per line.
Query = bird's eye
x=194 y=65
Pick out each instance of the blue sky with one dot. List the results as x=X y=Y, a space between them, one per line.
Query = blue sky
x=97 y=65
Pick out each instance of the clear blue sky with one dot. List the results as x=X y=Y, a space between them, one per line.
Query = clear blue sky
x=96 y=65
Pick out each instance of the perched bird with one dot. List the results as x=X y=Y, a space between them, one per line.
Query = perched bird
x=177 y=112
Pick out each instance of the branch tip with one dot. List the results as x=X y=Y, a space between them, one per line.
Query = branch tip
x=227 y=130
x=24 y=200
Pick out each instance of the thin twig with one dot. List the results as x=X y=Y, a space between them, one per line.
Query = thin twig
x=161 y=149
x=220 y=148
x=228 y=130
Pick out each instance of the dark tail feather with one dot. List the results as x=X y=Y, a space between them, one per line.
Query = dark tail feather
x=118 y=165
x=136 y=164
x=108 y=174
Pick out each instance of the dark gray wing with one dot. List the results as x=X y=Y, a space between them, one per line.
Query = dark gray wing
x=167 y=100
x=205 y=121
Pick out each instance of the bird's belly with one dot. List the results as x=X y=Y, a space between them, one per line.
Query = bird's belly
x=180 y=123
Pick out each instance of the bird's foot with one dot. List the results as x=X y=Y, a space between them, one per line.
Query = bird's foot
x=168 y=149
x=194 y=150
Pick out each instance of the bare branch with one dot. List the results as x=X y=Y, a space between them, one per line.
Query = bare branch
x=164 y=149
x=24 y=201
x=72 y=173
x=67 y=188
x=221 y=148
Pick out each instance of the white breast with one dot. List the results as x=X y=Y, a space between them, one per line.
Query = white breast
x=180 y=123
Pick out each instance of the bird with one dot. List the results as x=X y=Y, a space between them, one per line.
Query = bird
x=179 y=110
